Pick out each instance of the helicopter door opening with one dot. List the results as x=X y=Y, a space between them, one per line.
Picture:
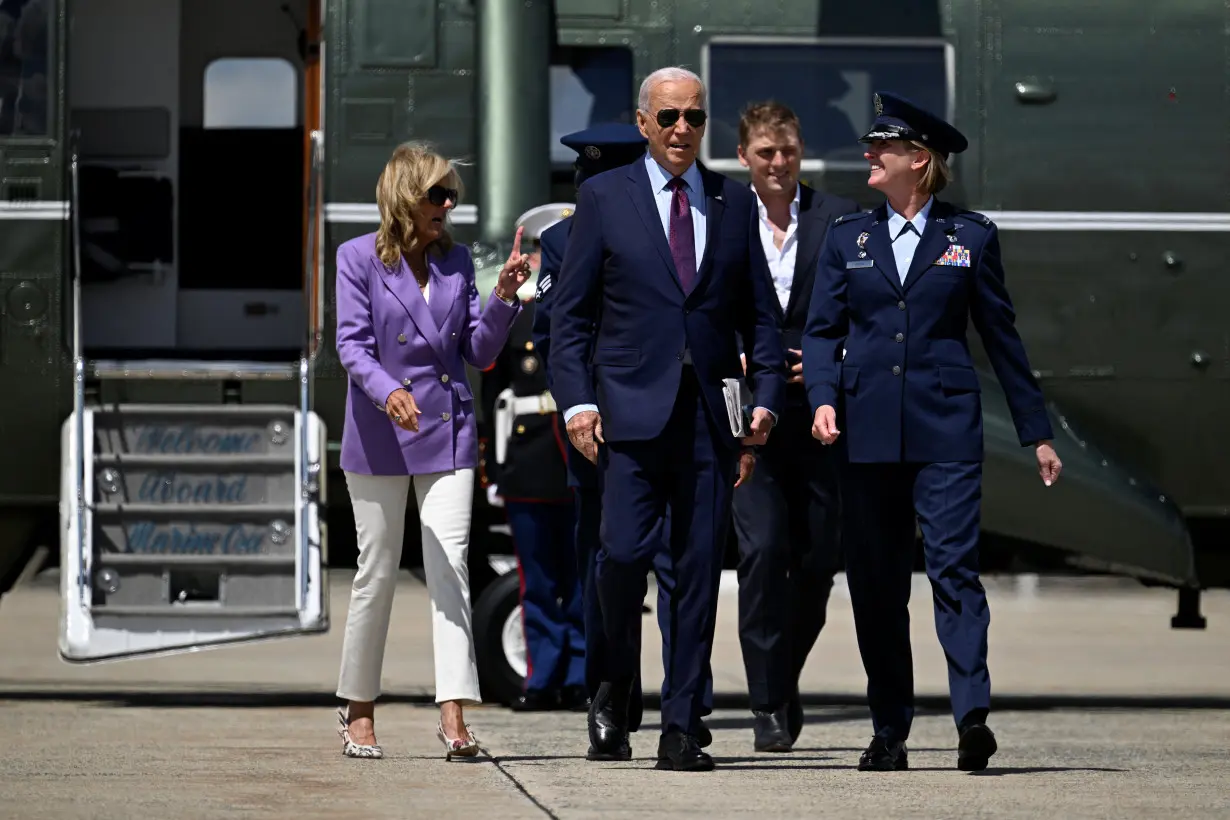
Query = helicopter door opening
x=190 y=123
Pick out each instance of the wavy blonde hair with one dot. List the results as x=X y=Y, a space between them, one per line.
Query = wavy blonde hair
x=402 y=187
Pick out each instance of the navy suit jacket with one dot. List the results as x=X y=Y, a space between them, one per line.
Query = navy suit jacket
x=906 y=389
x=581 y=471
x=552 y=243
x=621 y=321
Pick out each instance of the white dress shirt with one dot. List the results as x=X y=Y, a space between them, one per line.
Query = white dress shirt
x=905 y=241
x=781 y=263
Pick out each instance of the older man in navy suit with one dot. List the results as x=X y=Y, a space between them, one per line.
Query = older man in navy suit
x=599 y=148
x=885 y=347
x=661 y=278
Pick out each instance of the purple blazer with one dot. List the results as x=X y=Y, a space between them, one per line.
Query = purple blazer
x=388 y=337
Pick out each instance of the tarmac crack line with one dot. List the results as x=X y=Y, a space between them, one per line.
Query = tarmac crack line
x=519 y=786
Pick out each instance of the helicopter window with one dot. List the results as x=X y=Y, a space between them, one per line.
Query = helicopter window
x=251 y=93
x=589 y=86
x=25 y=42
x=828 y=83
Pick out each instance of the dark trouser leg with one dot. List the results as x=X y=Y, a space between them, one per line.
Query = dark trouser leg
x=948 y=498
x=588 y=531
x=546 y=639
x=787 y=521
x=878 y=532
x=817 y=548
x=562 y=526
x=664 y=570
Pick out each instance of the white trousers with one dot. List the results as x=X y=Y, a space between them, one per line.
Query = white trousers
x=445 y=502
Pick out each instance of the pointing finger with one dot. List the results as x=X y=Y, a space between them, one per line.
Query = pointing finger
x=516 y=248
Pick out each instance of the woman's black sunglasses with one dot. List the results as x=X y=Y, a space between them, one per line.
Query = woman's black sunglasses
x=437 y=195
x=694 y=117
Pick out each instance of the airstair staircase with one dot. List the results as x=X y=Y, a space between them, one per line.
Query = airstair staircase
x=192 y=525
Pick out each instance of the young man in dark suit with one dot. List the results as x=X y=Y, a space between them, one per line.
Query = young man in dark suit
x=786 y=515
x=661 y=280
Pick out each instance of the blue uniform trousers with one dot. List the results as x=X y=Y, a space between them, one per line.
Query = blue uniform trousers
x=685 y=470
x=551 y=606
x=879 y=503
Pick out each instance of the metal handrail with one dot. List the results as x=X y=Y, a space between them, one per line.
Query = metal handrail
x=313 y=278
x=83 y=562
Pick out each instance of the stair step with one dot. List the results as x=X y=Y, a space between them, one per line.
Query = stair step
x=194 y=610
x=137 y=559
x=196 y=512
x=211 y=463
x=192 y=369
x=178 y=410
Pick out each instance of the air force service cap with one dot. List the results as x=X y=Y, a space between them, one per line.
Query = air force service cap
x=603 y=147
x=538 y=219
x=899 y=119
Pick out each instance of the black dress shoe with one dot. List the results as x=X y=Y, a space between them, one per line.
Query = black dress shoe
x=574 y=699
x=704 y=737
x=608 y=724
x=884 y=756
x=975 y=747
x=771 y=732
x=682 y=753
x=536 y=700
x=794 y=717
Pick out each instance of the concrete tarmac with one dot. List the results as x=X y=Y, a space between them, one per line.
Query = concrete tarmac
x=1101 y=710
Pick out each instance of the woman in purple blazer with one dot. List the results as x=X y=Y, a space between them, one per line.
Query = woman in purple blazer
x=408 y=319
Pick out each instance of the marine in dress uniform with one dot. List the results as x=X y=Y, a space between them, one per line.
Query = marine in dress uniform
x=530 y=475
x=786 y=515
x=888 y=369
x=599 y=148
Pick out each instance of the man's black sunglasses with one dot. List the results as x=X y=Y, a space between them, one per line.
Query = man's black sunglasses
x=437 y=195
x=694 y=117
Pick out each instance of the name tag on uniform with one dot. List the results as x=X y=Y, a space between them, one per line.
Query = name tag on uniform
x=860 y=263
x=957 y=255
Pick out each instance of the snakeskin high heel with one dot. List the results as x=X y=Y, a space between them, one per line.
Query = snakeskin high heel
x=349 y=747
x=460 y=747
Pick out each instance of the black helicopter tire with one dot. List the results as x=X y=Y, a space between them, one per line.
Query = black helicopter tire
x=497 y=616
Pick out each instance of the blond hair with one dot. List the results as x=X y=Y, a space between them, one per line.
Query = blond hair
x=413 y=168
x=937 y=174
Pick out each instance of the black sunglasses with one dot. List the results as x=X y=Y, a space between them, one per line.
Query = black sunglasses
x=694 y=117
x=437 y=195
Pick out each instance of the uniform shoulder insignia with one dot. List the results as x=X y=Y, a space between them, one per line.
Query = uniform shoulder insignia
x=848 y=217
x=544 y=285
x=974 y=216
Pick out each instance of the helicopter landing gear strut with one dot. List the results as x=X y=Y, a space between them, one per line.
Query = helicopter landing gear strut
x=1188 y=616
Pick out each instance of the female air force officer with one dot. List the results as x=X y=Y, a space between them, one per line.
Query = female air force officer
x=885 y=342
x=408 y=319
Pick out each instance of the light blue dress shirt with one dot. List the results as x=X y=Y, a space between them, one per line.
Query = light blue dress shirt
x=905 y=241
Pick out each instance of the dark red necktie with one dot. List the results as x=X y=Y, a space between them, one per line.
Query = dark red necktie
x=682 y=235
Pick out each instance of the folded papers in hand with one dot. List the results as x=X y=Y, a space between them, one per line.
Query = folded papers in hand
x=737 y=411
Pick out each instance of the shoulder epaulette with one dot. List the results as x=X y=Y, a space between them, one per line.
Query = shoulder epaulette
x=848 y=217
x=974 y=216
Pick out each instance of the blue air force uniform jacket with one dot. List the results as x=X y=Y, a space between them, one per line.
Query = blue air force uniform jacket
x=905 y=388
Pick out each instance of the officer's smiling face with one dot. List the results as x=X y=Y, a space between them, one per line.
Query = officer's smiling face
x=896 y=166
x=675 y=146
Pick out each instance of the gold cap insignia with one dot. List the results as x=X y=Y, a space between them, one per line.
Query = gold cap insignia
x=592 y=151
x=564 y=214
x=879 y=106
